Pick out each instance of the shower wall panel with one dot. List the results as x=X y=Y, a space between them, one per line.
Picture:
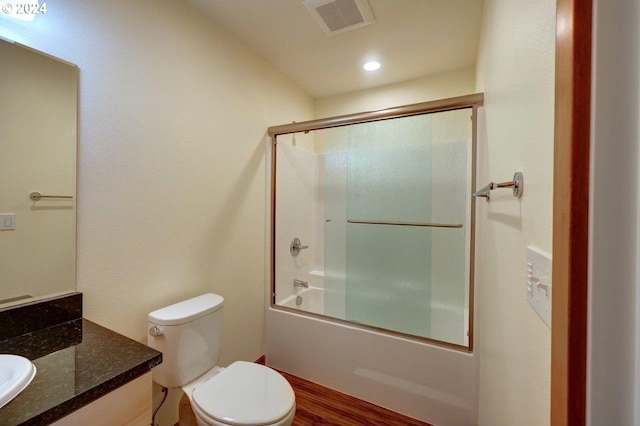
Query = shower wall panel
x=299 y=203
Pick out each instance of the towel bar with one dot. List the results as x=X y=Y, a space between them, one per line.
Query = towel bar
x=36 y=196
x=427 y=224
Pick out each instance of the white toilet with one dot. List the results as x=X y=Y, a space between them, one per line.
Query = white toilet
x=189 y=335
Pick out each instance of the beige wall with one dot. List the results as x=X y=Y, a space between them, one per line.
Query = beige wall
x=38 y=141
x=516 y=73
x=439 y=86
x=173 y=113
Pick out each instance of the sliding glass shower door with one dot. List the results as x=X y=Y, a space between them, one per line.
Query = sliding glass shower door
x=392 y=212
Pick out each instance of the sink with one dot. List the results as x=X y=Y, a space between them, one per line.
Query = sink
x=16 y=372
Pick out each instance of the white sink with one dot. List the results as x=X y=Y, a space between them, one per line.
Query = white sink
x=16 y=373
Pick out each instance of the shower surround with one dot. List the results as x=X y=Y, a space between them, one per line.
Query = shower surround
x=431 y=382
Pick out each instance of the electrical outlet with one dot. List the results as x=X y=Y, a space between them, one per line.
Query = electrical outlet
x=538 y=283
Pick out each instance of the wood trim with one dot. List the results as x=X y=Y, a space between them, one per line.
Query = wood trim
x=262 y=360
x=571 y=213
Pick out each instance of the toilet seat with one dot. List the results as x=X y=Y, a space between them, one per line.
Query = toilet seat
x=245 y=394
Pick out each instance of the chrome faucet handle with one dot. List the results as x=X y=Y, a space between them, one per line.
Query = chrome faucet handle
x=296 y=246
x=300 y=283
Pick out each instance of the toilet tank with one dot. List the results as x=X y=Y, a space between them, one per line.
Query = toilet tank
x=189 y=335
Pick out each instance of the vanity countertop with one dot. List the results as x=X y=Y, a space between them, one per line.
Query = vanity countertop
x=77 y=362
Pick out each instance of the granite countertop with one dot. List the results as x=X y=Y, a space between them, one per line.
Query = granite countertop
x=77 y=362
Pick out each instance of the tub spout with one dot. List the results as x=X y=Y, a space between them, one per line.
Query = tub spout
x=300 y=283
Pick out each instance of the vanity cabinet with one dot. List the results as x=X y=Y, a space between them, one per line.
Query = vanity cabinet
x=87 y=375
x=128 y=405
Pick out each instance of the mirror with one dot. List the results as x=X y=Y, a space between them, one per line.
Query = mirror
x=38 y=117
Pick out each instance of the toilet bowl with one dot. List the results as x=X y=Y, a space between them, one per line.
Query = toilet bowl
x=242 y=394
x=189 y=335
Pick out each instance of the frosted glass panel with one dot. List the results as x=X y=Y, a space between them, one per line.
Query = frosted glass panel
x=389 y=170
x=388 y=267
x=392 y=275
x=388 y=283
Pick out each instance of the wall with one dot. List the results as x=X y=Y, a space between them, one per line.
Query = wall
x=516 y=73
x=172 y=118
x=614 y=299
x=439 y=86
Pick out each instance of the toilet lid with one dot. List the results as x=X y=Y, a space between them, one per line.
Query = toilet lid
x=245 y=394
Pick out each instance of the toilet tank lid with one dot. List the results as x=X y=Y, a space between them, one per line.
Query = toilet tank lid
x=187 y=310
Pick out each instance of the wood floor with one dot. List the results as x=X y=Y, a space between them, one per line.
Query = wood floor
x=318 y=405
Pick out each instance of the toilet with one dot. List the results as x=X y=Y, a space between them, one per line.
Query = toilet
x=189 y=335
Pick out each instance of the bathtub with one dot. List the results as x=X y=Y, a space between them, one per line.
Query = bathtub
x=309 y=300
x=429 y=382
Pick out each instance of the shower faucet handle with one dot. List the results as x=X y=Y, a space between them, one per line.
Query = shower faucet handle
x=296 y=246
x=300 y=283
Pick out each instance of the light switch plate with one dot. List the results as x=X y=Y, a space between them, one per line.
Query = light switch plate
x=7 y=221
x=538 y=283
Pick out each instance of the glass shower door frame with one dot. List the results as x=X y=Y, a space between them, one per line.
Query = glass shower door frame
x=470 y=101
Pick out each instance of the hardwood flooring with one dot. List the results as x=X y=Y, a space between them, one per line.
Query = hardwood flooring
x=318 y=405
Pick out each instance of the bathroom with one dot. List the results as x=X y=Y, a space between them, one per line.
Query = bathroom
x=171 y=173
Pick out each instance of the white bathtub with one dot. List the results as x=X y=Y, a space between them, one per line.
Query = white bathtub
x=428 y=382
x=311 y=300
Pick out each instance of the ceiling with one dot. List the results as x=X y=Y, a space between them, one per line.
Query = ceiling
x=411 y=38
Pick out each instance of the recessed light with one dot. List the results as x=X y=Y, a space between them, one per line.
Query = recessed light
x=371 y=65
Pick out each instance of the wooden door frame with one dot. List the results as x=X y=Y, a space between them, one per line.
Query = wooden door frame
x=571 y=213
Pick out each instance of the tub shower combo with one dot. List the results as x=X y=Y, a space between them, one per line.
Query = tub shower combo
x=370 y=255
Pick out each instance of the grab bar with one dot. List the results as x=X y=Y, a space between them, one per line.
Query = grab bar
x=426 y=224
x=36 y=196
x=517 y=184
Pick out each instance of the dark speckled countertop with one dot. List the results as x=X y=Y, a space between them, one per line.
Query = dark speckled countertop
x=77 y=362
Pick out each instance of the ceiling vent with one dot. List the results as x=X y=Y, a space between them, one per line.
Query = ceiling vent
x=337 y=16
